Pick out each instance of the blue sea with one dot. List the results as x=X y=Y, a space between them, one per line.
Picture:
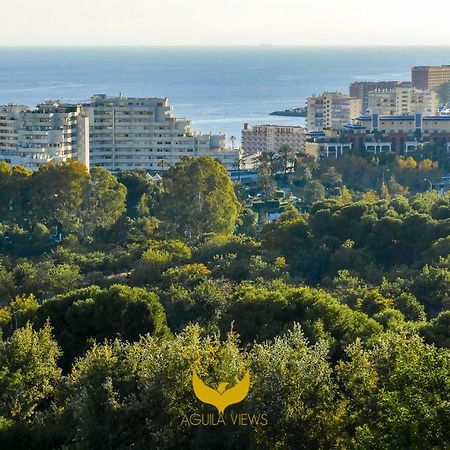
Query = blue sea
x=217 y=88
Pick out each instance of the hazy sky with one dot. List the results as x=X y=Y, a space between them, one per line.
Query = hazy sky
x=225 y=22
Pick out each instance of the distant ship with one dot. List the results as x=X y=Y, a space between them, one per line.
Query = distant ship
x=293 y=112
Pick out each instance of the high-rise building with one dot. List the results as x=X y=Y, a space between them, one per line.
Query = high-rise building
x=127 y=133
x=269 y=138
x=361 y=89
x=9 y=125
x=111 y=132
x=402 y=100
x=429 y=77
x=53 y=132
x=331 y=110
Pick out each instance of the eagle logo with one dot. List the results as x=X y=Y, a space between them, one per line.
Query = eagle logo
x=221 y=397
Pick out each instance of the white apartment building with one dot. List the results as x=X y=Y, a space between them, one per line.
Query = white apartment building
x=52 y=133
x=9 y=125
x=331 y=110
x=403 y=100
x=269 y=138
x=128 y=133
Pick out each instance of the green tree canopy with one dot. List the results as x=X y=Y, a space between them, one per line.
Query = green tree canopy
x=198 y=198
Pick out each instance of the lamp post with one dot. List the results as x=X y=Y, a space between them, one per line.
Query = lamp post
x=431 y=184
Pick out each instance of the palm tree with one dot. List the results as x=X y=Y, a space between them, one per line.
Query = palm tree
x=265 y=170
x=238 y=164
x=162 y=163
x=287 y=156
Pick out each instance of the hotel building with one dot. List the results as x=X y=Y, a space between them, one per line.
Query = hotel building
x=402 y=100
x=401 y=134
x=380 y=134
x=331 y=110
x=429 y=77
x=52 y=133
x=129 y=133
x=269 y=138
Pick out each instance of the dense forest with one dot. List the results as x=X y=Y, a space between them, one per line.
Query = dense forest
x=114 y=288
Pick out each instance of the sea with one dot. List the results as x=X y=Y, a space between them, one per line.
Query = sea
x=218 y=88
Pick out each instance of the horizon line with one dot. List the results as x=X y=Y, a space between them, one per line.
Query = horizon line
x=262 y=45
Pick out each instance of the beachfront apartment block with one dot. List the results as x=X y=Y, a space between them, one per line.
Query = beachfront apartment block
x=129 y=133
x=361 y=89
x=53 y=132
x=269 y=138
x=404 y=99
x=116 y=133
x=331 y=110
x=9 y=129
x=429 y=77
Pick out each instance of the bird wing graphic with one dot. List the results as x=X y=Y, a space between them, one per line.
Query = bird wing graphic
x=204 y=393
x=231 y=396
x=238 y=392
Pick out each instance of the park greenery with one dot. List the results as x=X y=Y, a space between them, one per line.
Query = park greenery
x=115 y=287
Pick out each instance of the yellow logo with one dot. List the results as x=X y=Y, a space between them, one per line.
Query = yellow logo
x=221 y=397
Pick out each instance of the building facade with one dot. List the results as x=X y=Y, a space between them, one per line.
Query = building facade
x=53 y=132
x=382 y=134
x=129 y=133
x=402 y=100
x=10 y=116
x=400 y=134
x=116 y=133
x=331 y=110
x=269 y=138
x=429 y=77
x=361 y=89
x=320 y=149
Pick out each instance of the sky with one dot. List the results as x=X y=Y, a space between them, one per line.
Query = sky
x=224 y=22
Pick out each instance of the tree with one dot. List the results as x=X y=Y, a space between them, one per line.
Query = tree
x=14 y=186
x=261 y=312
x=82 y=316
x=29 y=372
x=103 y=202
x=395 y=188
x=293 y=382
x=369 y=196
x=287 y=156
x=56 y=195
x=313 y=192
x=437 y=331
x=389 y=375
x=136 y=395
x=265 y=169
x=331 y=178
x=138 y=183
x=345 y=196
x=198 y=198
x=158 y=258
x=190 y=296
x=248 y=221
